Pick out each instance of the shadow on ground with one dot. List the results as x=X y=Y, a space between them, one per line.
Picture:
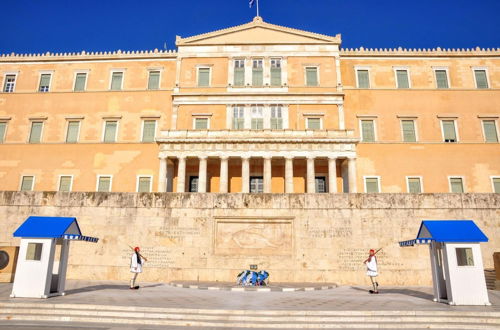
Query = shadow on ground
x=406 y=292
x=106 y=287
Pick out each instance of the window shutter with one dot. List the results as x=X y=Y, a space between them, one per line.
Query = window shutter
x=239 y=76
x=409 y=131
x=363 y=79
x=116 y=81
x=414 y=186
x=203 y=77
x=3 y=127
x=490 y=131
x=449 y=131
x=44 y=82
x=314 y=123
x=104 y=184
x=456 y=185
x=481 y=80
x=312 y=76
x=36 y=132
x=441 y=79
x=496 y=185
x=154 y=80
x=372 y=185
x=110 y=131
x=27 y=183
x=72 y=134
x=148 y=130
x=275 y=76
x=257 y=123
x=144 y=184
x=320 y=184
x=257 y=79
x=10 y=81
x=201 y=123
x=402 y=76
x=276 y=123
x=368 y=130
x=65 y=183
x=80 y=82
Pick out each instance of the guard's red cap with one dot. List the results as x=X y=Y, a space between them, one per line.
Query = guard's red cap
x=136 y=249
x=372 y=251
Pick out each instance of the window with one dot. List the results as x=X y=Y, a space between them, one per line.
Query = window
x=464 y=257
x=201 y=123
x=65 y=183
x=148 y=130
x=257 y=73
x=456 y=185
x=408 y=128
x=144 y=184
x=239 y=72
x=44 y=82
x=363 y=78
x=73 y=132
x=313 y=123
x=103 y=183
x=414 y=185
x=116 y=81
x=276 y=117
x=311 y=76
x=34 y=251
x=203 y=77
x=3 y=129
x=257 y=117
x=80 y=82
x=27 y=183
x=490 y=131
x=110 y=131
x=449 y=131
x=320 y=183
x=193 y=184
x=256 y=184
x=496 y=184
x=275 y=72
x=367 y=130
x=372 y=185
x=154 y=80
x=36 y=132
x=238 y=117
x=481 y=78
x=9 y=83
x=402 y=79
x=441 y=78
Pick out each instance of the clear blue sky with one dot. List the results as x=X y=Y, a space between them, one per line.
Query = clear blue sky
x=102 y=25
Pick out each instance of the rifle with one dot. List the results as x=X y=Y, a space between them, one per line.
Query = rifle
x=143 y=257
x=370 y=256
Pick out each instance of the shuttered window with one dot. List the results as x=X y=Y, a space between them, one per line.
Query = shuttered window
x=238 y=117
x=80 y=80
x=257 y=117
x=320 y=183
x=144 y=184
x=239 y=72
x=372 y=185
x=110 y=129
x=256 y=184
x=65 y=183
x=414 y=185
x=311 y=76
x=148 y=130
x=257 y=73
x=10 y=83
x=441 y=79
x=104 y=184
x=368 y=130
x=490 y=131
x=481 y=79
x=44 y=82
x=363 y=79
x=203 y=77
x=314 y=123
x=275 y=72
x=496 y=185
x=402 y=79
x=201 y=123
x=154 y=80
x=449 y=133
x=36 y=132
x=116 y=81
x=27 y=183
x=276 y=117
x=72 y=133
x=408 y=131
x=456 y=185
x=3 y=128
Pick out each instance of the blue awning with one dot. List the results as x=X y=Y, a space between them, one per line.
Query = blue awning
x=51 y=227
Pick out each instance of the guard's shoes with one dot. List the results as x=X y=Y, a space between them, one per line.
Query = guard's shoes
x=373 y=292
x=134 y=287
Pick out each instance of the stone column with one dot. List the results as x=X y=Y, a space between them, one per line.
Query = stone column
x=162 y=175
x=332 y=174
x=223 y=182
x=181 y=174
x=245 y=174
x=311 y=176
x=351 y=164
x=202 y=174
x=289 y=175
x=267 y=175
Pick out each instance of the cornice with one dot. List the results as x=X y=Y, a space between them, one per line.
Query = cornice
x=409 y=52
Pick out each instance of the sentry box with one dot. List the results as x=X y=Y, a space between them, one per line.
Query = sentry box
x=43 y=255
x=457 y=265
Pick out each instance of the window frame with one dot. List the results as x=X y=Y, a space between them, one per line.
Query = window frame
x=37 y=120
x=105 y=120
x=99 y=176
x=363 y=68
x=317 y=75
x=442 y=68
x=307 y=117
x=36 y=244
x=421 y=178
x=68 y=120
x=241 y=110
x=414 y=120
x=259 y=177
x=481 y=68
x=45 y=72
x=456 y=177
x=472 y=254
x=2 y=138
x=70 y=183
x=199 y=116
x=492 y=180
x=142 y=129
x=233 y=68
x=111 y=72
x=262 y=68
x=10 y=73
x=280 y=61
x=160 y=70
x=379 y=183
x=495 y=121
x=262 y=109
x=198 y=68
x=138 y=177
x=32 y=183
x=86 y=72
x=402 y=68
x=455 y=125
x=375 y=133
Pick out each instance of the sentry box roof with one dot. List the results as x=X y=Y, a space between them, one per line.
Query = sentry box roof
x=52 y=227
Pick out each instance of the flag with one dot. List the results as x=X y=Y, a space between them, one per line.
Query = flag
x=250 y=3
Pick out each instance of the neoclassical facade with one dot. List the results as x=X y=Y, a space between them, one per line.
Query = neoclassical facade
x=256 y=108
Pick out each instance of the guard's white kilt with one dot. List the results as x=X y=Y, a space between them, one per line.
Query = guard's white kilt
x=135 y=267
x=371 y=267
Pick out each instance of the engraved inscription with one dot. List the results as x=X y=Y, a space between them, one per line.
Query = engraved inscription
x=337 y=232
x=158 y=257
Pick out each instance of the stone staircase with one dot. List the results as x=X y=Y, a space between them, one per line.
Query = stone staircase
x=490 y=276
x=261 y=319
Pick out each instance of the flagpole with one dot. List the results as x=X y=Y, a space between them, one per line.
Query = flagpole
x=257 y=8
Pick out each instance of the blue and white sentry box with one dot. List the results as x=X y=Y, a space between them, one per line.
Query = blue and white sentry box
x=43 y=255
x=457 y=265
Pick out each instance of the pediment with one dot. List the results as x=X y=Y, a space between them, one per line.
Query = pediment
x=258 y=32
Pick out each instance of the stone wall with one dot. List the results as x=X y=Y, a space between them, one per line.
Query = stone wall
x=296 y=237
